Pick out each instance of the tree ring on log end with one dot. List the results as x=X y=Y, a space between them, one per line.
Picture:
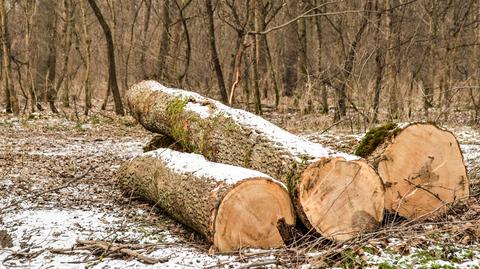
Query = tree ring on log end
x=423 y=171
x=248 y=214
x=340 y=199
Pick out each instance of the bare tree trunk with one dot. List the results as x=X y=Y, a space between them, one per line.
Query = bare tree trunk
x=164 y=39
x=389 y=61
x=46 y=51
x=181 y=11
x=10 y=94
x=321 y=85
x=477 y=52
x=130 y=45
x=290 y=54
x=246 y=81
x=379 y=61
x=29 y=11
x=256 y=53
x=144 y=48
x=52 y=55
x=88 y=41
x=112 y=73
x=302 y=49
x=67 y=35
x=273 y=74
x=262 y=46
x=214 y=54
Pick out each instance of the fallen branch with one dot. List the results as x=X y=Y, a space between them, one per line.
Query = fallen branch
x=109 y=248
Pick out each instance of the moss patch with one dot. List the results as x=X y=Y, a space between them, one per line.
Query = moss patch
x=292 y=179
x=248 y=156
x=179 y=123
x=373 y=138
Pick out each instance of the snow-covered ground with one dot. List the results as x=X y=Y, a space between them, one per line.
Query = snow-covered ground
x=48 y=153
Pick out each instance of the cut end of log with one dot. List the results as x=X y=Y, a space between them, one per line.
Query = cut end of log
x=423 y=171
x=341 y=199
x=248 y=214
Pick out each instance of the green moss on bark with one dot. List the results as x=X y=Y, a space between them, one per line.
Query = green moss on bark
x=375 y=137
x=179 y=123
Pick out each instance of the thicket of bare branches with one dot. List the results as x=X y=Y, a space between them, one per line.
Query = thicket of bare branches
x=380 y=59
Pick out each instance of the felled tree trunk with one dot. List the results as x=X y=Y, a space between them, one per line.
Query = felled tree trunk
x=232 y=207
x=338 y=195
x=421 y=166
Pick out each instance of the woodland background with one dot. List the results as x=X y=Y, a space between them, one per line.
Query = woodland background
x=373 y=60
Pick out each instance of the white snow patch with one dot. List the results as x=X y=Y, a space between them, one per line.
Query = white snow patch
x=190 y=163
x=92 y=148
x=201 y=110
x=298 y=146
x=470 y=152
x=40 y=230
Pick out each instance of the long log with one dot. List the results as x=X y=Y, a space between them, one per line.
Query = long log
x=336 y=194
x=421 y=165
x=232 y=207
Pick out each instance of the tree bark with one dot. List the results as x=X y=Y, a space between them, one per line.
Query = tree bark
x=302 y=49
x=67 y=35
x=164 y=40
x=290 y=54
x=321 y=181
x=112 y=73
x=256 y=61
x=321 y=85
x=379 y=63
x=421 y=166
x=12 y=105
x=88 y=41
x=214 y=53
x=230 y=206
x=29 y=14
x=144 y=48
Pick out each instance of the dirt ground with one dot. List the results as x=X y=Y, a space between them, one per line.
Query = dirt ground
x=59 y=203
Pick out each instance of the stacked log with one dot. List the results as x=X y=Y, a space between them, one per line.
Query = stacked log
x=421 y=166
x=336 y=194
x=232 y=207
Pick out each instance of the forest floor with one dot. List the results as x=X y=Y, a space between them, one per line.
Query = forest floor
x=60 y=208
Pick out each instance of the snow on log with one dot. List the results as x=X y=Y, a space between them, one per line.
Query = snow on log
x=232 y=207
x=337 y=194
x=421 y=166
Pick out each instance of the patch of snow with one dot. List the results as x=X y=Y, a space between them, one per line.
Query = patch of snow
x=470 y=152
x=125 y=148
x=297 y=146
x=201 y=110
x=40 y=230
x=190 y=163
x=86 y=126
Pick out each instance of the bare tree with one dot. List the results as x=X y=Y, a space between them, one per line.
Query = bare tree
x=213 y=52
x=290 y=54
x=10 y=94
x=112 y=73
x=164 y=39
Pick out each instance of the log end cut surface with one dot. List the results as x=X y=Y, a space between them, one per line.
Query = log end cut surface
x=248 y=215
x=341 y=199
x=423 y=171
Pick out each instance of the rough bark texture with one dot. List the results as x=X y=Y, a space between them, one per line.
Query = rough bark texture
x=237 y=137
x=112 y=73
x=421 y=166
x=233 y=209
